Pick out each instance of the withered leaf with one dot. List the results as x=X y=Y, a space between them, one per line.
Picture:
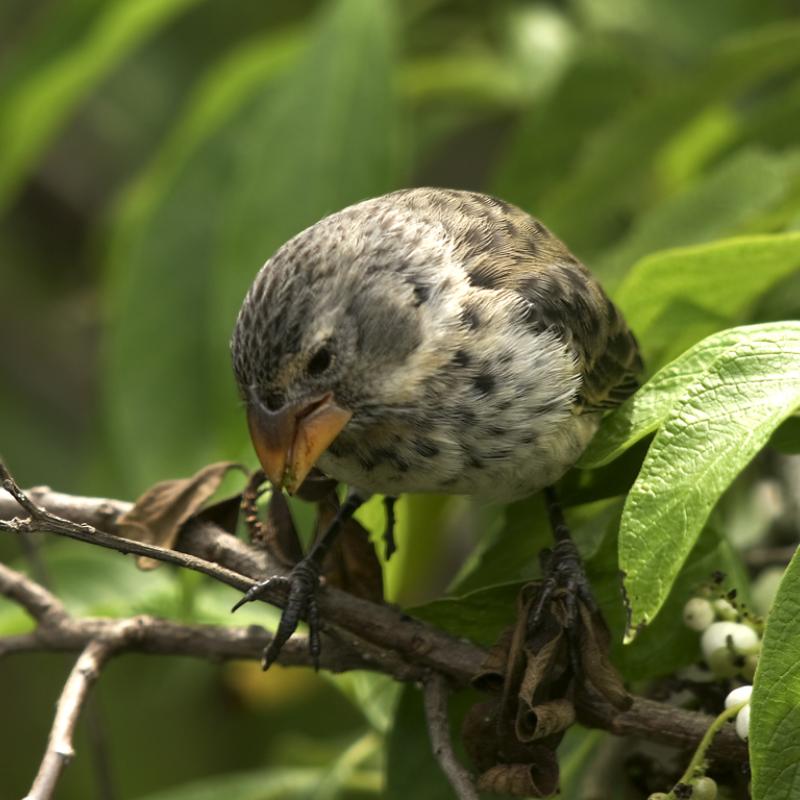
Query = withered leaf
x=489 y=741
x=543 y=720
x=597 y=666
x=492 y=673
x=224 y=513
x=157 y=516
x=537 y=779
x=351 y=564
x=278 y=534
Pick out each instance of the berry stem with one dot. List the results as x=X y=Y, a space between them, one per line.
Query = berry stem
x=696 y=765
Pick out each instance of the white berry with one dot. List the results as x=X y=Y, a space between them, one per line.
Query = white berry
x=725 y=610
x=743 y=639
x=737 y=696
x=743 y=722
x=698 y=614
x=704 y=788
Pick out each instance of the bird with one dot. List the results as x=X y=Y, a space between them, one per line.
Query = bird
x=427 y=340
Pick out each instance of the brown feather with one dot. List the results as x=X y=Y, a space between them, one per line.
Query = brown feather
x=503 y=247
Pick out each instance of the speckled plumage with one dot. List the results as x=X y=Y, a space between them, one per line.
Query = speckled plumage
x=474 y=351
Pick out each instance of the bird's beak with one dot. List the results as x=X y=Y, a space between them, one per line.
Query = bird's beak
x=289 y=441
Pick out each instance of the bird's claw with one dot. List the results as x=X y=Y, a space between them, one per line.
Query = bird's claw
x=301 y=602
x=563 y=573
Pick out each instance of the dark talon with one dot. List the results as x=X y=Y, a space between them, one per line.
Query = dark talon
x=562 y=569
x=302 y=583
x=388 y=534
x=255 y=591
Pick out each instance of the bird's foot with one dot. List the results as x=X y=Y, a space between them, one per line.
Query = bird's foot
x=564 y=580
x=301 y=602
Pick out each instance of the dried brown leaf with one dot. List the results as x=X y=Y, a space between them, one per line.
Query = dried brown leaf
x=543 y=720
x=277 y=534
x=492 y=674
x=597 y=666
x=351 y=564
x=224 y=513
x=537 y=779
x=157 y=516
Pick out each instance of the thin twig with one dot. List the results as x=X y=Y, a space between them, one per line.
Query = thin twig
x=42 y=605
x=435 y=693
x=60 y=749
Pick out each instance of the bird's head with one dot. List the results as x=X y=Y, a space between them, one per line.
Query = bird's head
x=324 y=337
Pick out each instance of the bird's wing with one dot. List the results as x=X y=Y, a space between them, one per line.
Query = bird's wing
x=503 y=247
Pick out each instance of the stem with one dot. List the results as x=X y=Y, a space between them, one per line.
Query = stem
x=696 y=764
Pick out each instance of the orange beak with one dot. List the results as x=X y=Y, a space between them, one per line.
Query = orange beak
x=289 y=441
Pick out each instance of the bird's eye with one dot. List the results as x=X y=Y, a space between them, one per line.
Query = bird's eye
x=319 y=362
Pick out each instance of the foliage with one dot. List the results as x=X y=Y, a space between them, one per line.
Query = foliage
x=156 y=153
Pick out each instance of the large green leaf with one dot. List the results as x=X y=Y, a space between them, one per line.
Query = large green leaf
x=775 y=722
x=38 y=103
x=723 y=418
x=646 y=410
x=286 y=148
x=675 y=298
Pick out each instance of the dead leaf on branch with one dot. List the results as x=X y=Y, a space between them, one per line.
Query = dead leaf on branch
x=513 y=737
x=157 y=516
x=351 y=563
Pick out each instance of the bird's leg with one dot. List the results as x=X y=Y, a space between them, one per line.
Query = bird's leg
x=302 y=583
x=563 y=569
x=388 y=533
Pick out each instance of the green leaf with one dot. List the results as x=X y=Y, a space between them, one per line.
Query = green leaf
x=547 y=137
x=41 y=101
x=673 y=299
x=723 y=418
x=609 y=181
x=480 y=615
x=508 y=551
x=217 y=98
x=650 y=406
x=375 y=695
x=287 y=145
x=666 y=644
x=749 y=182
x=775 y=721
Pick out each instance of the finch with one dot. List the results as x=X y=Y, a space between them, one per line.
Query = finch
x=429 y=340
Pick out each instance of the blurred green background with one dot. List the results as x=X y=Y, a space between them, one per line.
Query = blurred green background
x=154 y=153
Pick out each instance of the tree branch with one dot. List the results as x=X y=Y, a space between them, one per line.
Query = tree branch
x=73 y=697
x=435 y=694
x=371 y=636
x=41 y=604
